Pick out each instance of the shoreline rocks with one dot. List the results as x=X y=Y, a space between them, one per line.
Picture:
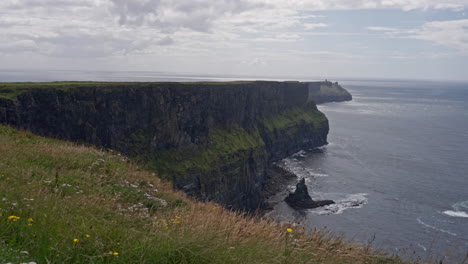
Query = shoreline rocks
x=300 y=199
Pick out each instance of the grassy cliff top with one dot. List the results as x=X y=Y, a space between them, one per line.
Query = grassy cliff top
x=65 y=203
x=12 y=90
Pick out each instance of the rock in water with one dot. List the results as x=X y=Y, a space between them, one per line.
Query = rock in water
x=300 y=199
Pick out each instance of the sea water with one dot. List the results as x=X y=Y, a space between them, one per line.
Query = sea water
x=397 y=167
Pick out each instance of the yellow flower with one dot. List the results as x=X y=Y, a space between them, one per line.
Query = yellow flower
x=13 y=218
x=88 y=236
x=115 y=253
x=29 y=224
x=76 y=240
x=289 y=230
x=30 y=220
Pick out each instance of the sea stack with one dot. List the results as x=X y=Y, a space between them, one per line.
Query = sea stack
x=300 y=199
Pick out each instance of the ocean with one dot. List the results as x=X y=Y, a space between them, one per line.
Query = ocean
x=396 y=162
x=397 y=166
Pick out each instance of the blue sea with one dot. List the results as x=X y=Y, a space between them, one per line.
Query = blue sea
x=397 y=166
x=396 y=162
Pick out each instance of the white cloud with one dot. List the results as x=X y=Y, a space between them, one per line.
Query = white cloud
x=18 y=46
x=198 y=15
x=185 y=34
x=255 y=62
x=371 y=4
x=382 y=29
x=310 y=26
x=452 y=33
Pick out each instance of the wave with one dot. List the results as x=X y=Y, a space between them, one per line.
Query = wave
x=300 y=153
x=460 y=206
x=459 y=210
x=456 y=213
x=295 y=166
x=423 y=247
x=435 y=228
x=357 y=200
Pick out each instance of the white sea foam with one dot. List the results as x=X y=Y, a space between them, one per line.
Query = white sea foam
x=435 y=228
x=314 y=174
x=295 y=166
x=357 y=200
x=423 y=247
x=456 y=213
x=460 y=206
x=300 y=153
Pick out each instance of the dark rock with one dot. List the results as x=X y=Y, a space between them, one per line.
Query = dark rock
x=300 y=199
x=215 y=141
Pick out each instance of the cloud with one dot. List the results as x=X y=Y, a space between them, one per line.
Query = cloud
x=197 y=15
x=371 y=4
x=18 y=46
x=254 y=62
x=382 y=29
x=165 y=41
x=310 y=26
x=198 y=34
x=451 y=33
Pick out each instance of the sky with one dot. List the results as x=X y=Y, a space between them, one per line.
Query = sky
x=411 y=39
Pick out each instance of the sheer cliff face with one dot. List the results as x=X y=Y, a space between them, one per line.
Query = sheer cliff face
x=215 y=141
x=324 y=92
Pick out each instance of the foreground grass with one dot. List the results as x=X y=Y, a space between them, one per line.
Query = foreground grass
x=64 y=203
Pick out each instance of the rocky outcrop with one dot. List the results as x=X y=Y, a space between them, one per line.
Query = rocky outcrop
x=213 y=140
x=325 y=92
x=300 y=198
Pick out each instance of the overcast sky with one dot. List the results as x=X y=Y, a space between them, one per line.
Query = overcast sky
x=425 y=39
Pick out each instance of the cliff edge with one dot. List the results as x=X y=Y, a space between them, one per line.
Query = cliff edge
x=215 y=141
x=325 y=92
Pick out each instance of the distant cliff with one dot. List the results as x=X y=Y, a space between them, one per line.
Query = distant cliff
x=324 y=92
x=213 y=140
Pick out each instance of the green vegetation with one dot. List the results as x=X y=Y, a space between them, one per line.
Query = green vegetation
x=223 y=146
x=294 y=117
x=65 y=203
x=12 y=90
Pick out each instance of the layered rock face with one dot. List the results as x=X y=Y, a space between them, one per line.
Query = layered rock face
x=213 y=140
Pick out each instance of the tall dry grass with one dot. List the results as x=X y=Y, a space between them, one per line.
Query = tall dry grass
x=78 y=204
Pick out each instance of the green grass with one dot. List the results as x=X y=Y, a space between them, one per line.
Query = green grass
x=79 y=204
x=294 y=117
x=12 y=90
x=224 y=146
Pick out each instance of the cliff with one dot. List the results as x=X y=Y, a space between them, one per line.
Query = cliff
x=324 y=92
x=213 y=140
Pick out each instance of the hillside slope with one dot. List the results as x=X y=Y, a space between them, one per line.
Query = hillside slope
x=66 y=203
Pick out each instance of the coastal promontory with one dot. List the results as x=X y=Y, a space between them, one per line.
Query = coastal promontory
x=215 y=141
